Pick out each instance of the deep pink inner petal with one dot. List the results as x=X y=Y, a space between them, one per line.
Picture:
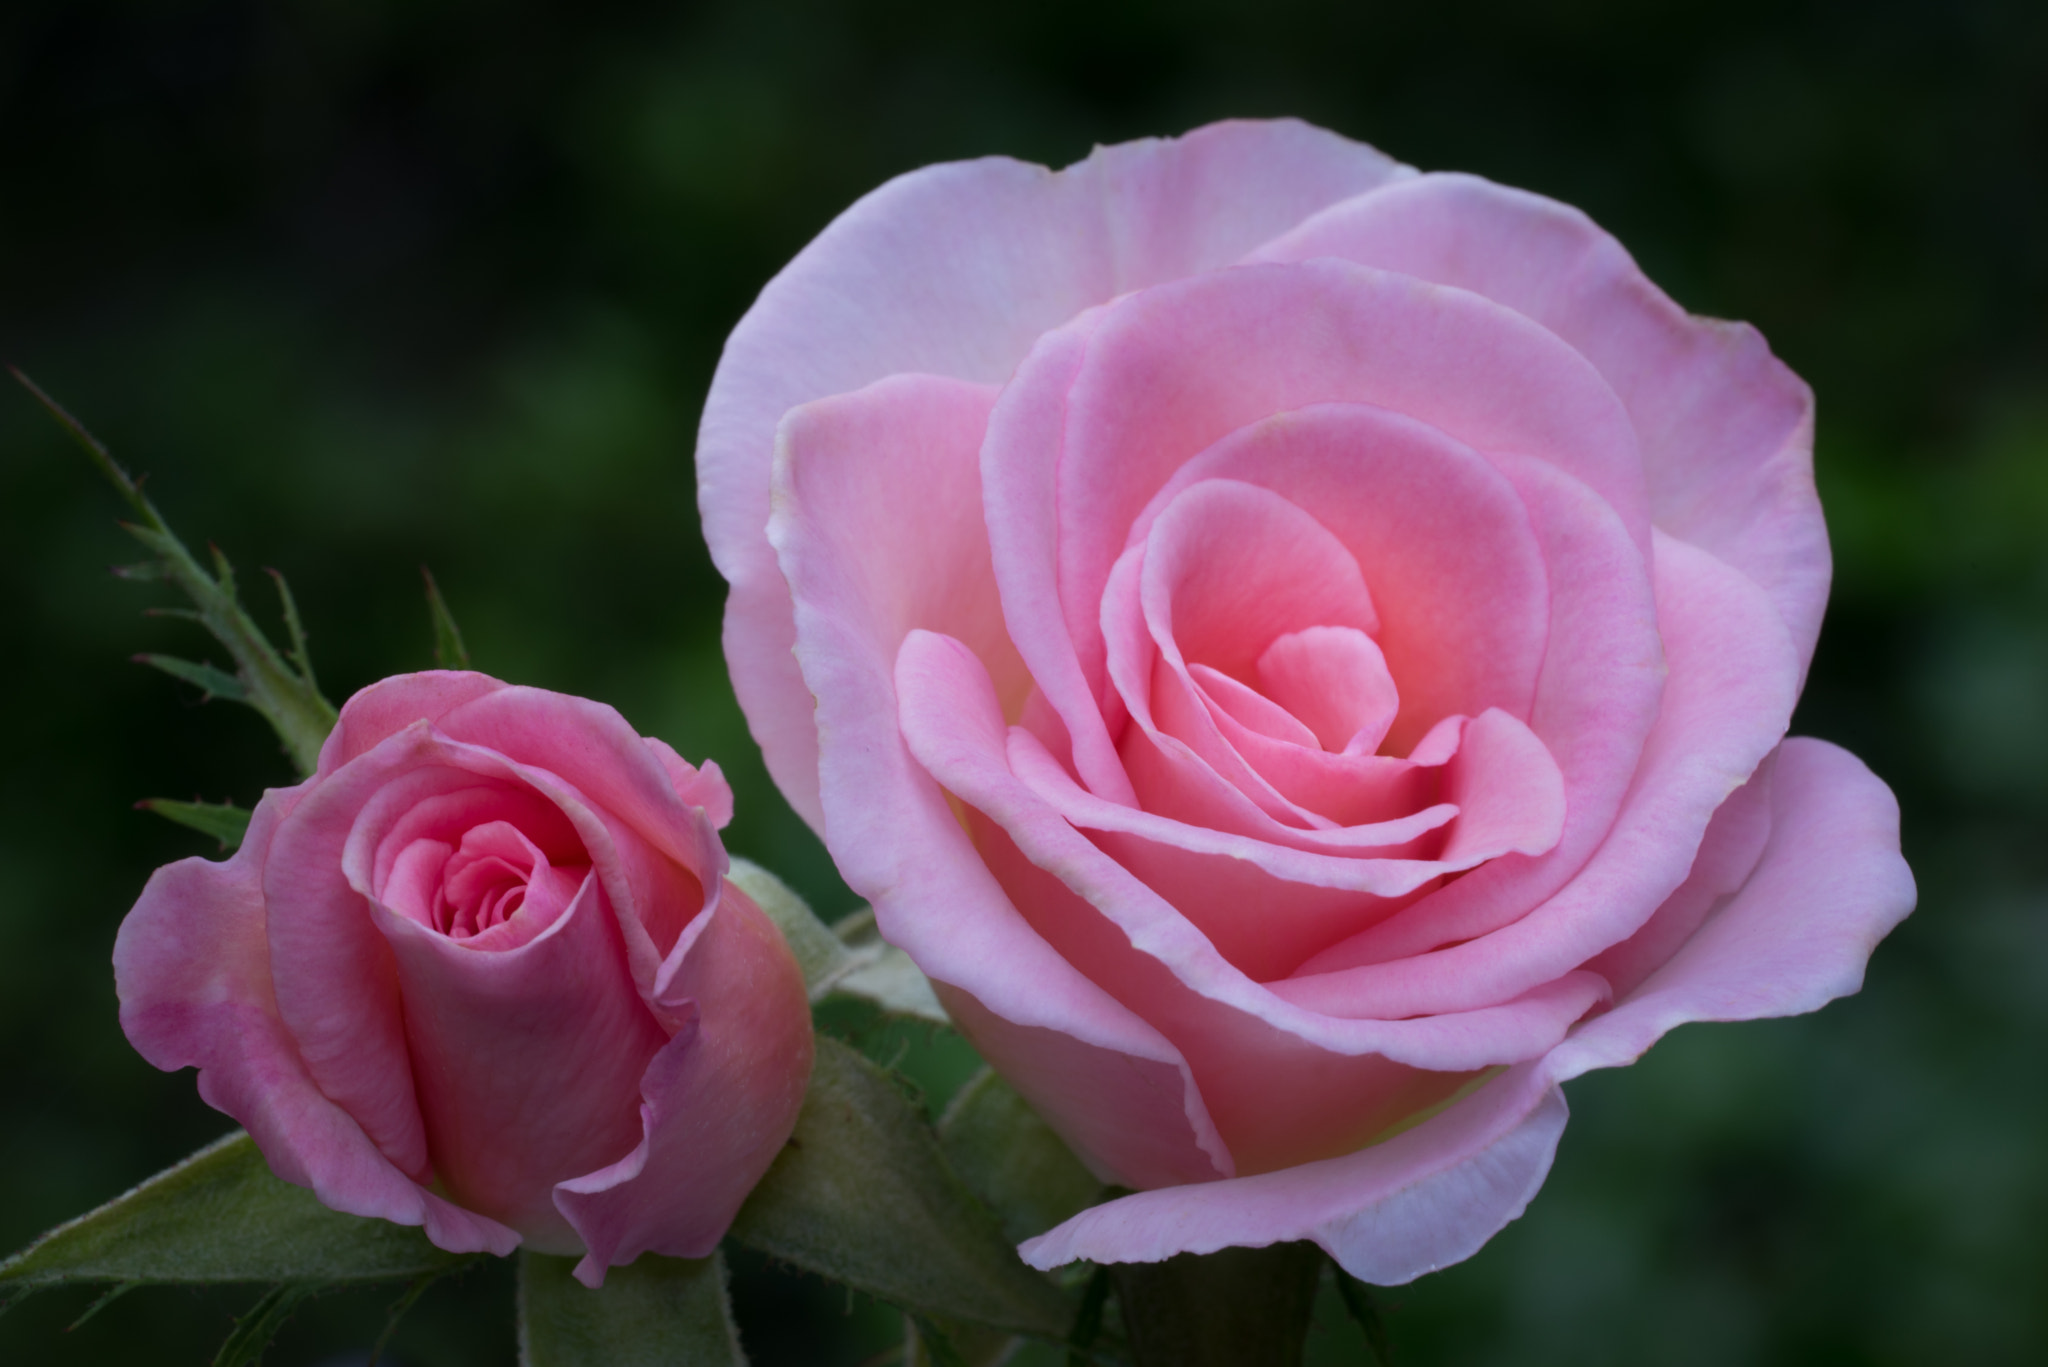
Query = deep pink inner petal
x=1248 y=707
x=1458 y=579
x=1335 y=681
x=1229 y=566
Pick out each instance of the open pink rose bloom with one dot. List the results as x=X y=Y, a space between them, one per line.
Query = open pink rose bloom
x=482 y=972
x=1300 y=653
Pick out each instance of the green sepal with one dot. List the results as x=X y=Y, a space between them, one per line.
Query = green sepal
x=656 y=1312
x=222 y=1216
x=850 y=959
x=211 y=681
x=449 y=650
x=1012 y=1159
x=254 y=1331
x=863 y=1195
x=279 y=686
x=224 y=821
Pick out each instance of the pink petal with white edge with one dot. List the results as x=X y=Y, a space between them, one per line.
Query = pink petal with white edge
x=716 y=1104
x=955 y=270
x=1796 y=934
x=192 y=969
x=1726 y=429
x=1799 y=931
x=890 y=828
x=1424 y=1199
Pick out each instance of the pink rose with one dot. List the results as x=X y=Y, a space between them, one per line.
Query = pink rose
x=483 y=972
x=1301 y=655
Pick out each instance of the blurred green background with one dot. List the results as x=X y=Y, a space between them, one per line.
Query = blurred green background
x=364 y=286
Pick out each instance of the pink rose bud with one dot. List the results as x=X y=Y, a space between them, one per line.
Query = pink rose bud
x=482 y=972
x=1300 y=653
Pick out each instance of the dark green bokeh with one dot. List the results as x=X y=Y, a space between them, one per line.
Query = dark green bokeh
x=366 y=286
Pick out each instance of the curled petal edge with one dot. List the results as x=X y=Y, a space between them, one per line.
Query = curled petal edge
x=1795 y=936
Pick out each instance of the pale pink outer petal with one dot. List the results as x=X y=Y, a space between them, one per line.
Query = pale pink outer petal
x=1424 y=1199
x=1797 y=934
x=956 y=270
x=717 y=1103
x=192 y=969
x=1727 y=429
x=855 y=471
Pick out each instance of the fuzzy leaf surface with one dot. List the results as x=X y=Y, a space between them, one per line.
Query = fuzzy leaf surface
x=654 y=1312
x=863 y=1195
x=1012 y=1160
x=222 y=1216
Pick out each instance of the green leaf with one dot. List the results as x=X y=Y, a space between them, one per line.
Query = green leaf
x=254 y=1331
x=224 y=821
x=1236 y=1307
x=863 y=1195
x=287 y=697
x=213 y=682
x=295 y=628
x=850 y=959
x=1012 y=1159
x=222 y=1216
x=655 y=1312
x=449 y=651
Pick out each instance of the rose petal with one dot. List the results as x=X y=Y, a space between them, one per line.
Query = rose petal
x=897 y=842
x=717 y=1101
x=1726 y=429
x=703 y=787
x=524 y=1060
x=1424 y=1199
x=1597 y=698
x=374 y=714
x=191 y=967
x=1170 y=371
x=1443 y=539
x=1284 y=1085
x=1829 y=885
x=1334 y=679
x=1734 y=676
x=954 y=270
x=897 y=466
